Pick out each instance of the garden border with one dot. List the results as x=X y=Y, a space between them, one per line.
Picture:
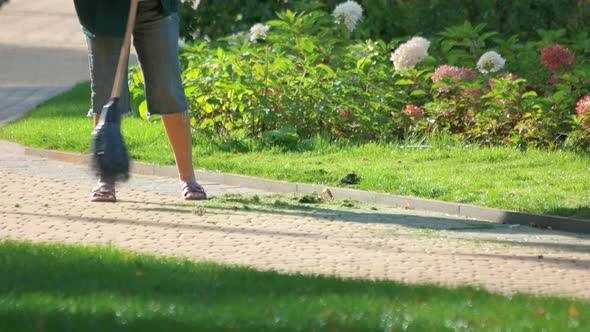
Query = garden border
x=411 y=203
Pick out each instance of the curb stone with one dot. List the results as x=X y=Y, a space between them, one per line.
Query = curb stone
x=410 y=203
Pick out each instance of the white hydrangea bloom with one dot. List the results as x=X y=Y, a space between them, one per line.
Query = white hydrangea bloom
x=490 y=62
x=258 y=31
x=349 y=13
x=410 y=53
x=421 y=42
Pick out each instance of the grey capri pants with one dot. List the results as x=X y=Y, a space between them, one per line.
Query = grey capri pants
x=155 y=38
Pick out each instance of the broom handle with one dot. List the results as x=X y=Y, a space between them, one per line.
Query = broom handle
x=124 y=56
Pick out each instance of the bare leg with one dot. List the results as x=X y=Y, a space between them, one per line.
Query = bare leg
x=177 y=128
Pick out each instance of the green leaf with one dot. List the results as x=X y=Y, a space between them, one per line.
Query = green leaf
x=529 y=94
x=417 y=93
x=405 y=81
x=327 y=69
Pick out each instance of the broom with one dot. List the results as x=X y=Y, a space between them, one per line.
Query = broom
x=110 y=160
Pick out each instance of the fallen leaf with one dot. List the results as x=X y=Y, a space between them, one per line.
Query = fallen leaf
x=326 y=313
x=573 y=312
x=258 y=157
x=327 y=192
x=364 y=159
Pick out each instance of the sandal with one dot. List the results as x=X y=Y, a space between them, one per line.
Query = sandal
x=193 y=191
x=104 y=192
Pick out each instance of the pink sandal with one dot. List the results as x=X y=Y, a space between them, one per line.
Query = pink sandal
x=193 y=191
x=104 y=192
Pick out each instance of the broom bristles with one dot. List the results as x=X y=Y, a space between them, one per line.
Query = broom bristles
x=110 y=160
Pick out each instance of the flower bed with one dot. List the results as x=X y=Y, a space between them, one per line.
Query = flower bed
x=304 y=74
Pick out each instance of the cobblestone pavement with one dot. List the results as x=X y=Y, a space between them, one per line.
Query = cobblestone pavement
x=46 y=200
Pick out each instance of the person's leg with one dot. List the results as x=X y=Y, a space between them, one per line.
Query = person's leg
x=177 y=128
x=156 y=42
x=103 y=55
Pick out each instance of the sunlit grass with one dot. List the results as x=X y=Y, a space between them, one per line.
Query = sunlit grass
x=552 y=182
x=61 y=287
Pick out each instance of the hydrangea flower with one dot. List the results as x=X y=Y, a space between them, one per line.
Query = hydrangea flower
x=583 y=111
x=258 y=31
x=490 y=62
x=583 y=106
x=452 y=71
x=410 y=53
x=555 y=56
x=349 y=13
x=413 y=110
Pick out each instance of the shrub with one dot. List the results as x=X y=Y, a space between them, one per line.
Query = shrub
x=309 y=75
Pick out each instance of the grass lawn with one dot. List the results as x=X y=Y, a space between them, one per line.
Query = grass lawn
x=57 y=287
x=550 y=182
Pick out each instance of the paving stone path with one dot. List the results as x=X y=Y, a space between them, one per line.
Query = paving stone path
x=46 y=200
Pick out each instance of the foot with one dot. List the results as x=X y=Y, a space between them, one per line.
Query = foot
x=103 y=192
x=193 y=191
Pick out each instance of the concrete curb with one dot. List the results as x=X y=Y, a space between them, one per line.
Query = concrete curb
x=410 y=203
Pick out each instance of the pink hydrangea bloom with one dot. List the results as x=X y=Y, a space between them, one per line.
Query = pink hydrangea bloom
x=583 y=106
x=413 y=110
x=452 y=71
x=556 y=56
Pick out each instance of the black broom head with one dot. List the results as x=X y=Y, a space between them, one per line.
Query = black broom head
x=110 y=160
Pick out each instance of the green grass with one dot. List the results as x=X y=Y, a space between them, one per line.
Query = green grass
x=61 y=287
x=550 y=182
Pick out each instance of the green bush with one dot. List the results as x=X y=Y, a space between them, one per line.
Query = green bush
x=311 y=76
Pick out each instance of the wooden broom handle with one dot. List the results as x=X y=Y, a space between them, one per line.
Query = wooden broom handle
x=125 y=49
